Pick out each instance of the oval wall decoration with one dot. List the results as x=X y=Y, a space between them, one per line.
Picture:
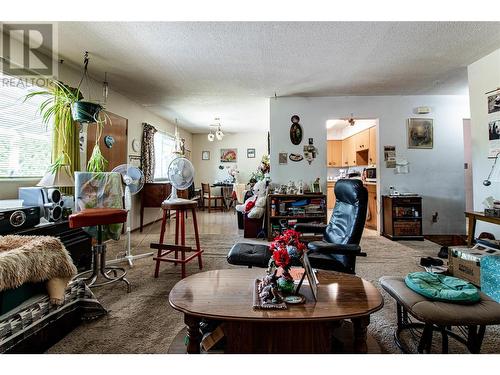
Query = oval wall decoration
x=296 y=130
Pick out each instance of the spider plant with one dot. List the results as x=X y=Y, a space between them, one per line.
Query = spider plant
x=56 y=109
x=97 y=162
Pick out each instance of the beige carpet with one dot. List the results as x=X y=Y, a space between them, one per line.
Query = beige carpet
x=143 y=321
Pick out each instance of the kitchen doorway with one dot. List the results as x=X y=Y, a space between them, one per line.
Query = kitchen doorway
x=352 y=152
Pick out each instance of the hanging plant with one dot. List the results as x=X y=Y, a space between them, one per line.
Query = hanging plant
x=56 y=110
x=97 y=162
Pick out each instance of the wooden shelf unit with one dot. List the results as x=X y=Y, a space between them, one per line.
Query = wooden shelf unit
x=279 y=204
x=402 y=217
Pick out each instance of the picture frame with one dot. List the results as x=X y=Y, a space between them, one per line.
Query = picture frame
x=283 y=158
x=250 y=153
x=420 y=133
x=311 y=277
x=205 y=155
x=228 y=155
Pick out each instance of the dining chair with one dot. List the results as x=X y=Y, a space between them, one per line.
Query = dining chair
x=207 y=195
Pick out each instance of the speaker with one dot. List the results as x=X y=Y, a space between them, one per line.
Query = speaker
x=49 y=200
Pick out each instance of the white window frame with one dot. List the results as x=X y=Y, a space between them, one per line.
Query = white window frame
x=163 y=154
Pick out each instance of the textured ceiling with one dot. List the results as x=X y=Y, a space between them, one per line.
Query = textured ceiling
x=197 y=71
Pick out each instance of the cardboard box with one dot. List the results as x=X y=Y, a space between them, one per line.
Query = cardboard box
x=465 y=263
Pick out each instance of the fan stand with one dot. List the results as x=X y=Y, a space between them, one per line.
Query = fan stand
x=128 y=252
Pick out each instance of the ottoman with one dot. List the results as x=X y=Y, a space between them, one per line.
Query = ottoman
x=249 y=254
x=440 y=316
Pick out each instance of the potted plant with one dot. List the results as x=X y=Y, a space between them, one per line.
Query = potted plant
x=56 y=110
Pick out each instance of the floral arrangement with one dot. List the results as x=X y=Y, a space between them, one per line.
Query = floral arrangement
x=233 y=172
x=285 y=248
x=263 y=169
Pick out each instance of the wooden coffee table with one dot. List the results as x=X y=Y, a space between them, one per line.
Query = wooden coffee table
x=227 y=296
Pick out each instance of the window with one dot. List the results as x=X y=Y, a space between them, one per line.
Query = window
x=25 y=142
x=164 y=148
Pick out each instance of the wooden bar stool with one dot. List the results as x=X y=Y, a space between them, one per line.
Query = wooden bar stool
x=181 y=208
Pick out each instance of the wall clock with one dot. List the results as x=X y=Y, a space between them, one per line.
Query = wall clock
x=136 y=145
x=295 y=130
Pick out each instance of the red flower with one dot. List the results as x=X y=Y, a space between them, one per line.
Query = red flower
x=281 y=257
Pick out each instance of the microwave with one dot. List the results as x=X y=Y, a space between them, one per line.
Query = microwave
x=371 y=173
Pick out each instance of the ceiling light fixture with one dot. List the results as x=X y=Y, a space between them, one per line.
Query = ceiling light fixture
x=351 y=121
x=219 y=134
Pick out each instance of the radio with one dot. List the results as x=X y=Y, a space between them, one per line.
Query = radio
x=48 y=200
x=12 y=220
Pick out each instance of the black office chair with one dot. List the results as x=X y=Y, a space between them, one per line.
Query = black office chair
x=340 y=245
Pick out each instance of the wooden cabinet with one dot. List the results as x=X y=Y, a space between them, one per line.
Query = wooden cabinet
x=371 y=215
x=334 y=154
x=402 y=217
x=154 y=193
x=330 y=195
x=348 y=152
x=362 y=140
x=372 y=151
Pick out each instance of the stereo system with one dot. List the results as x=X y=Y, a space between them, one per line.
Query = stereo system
x=49 y=201
x=12 y=220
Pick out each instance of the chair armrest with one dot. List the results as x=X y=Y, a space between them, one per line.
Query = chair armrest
x=310 y=228
x=336 y=249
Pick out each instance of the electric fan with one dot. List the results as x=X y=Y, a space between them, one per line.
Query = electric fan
x=133 y=179
x=181 y=176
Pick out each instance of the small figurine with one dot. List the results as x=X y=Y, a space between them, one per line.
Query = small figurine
x=268 y=289
x=301 y=187
x=316 y=186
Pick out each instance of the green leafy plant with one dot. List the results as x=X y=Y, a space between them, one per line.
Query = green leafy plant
x=56 y=110
x=97 y=162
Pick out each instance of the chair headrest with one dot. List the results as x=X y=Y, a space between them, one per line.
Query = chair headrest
x=349 y=191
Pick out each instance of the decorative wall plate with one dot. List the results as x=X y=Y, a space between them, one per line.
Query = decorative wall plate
x=296 y=130
x=109 y=141
x=296 y=157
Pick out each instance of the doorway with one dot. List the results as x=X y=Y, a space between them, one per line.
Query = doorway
x=113 y=142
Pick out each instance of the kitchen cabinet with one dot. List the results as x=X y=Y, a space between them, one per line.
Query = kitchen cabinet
x=348 y=152
x=371 y=214
x=372 y=151
x=362 y=140
x=334 y=154
x=330 y=195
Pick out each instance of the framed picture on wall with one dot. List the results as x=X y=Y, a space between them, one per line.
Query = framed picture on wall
x=283 y=158
x=420 y=133
x=205 y=155
x=250 y=153
x=228 y=155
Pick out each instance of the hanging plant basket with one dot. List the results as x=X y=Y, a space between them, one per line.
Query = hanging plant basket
x=85 y=112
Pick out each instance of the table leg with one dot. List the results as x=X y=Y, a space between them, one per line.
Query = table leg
x=472 y=230
x=360 y=328
x=193 y=334
x=197 y=238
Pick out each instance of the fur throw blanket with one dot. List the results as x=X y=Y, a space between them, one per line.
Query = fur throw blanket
x=34 y=259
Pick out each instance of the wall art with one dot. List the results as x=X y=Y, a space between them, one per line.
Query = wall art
x=296 y=130
x=250 y=153
x=228 y=155
x=494 y=103
x=493 y=138
x=296 y=157
x=205 y=155
x=420 y=133
x=283 y=157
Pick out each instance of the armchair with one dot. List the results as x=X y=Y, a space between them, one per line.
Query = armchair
x=340 y=245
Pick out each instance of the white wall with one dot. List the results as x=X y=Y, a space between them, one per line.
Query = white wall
x=122 y=106
x=436 y=174
x=484 y=76
x=208 y=170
